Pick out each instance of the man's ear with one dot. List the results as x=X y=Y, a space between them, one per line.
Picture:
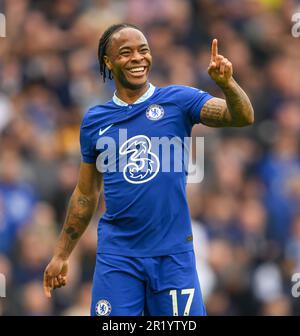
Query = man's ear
x=107 y=62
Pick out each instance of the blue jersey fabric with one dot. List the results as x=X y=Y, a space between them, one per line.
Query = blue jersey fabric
x=145 y=216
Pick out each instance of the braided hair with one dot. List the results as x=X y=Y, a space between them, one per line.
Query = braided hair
x=103 y=42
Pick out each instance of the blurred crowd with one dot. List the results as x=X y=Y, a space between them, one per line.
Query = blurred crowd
x=246 y=212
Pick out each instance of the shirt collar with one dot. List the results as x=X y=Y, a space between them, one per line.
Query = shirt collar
x=143 y=98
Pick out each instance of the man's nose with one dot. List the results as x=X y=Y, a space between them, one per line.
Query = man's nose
x=137 y=56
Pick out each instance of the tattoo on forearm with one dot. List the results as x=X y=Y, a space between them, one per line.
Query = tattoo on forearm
x=80 y=211
x=239 y=105
x=83 y=201
x=72 y=233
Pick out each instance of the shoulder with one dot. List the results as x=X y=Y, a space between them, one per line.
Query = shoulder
x=96 y=112
x=100 y=108
x=180 y=91
x=177 y=89
x=184 y=96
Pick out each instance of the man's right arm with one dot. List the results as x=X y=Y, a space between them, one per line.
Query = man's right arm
x=81 y=208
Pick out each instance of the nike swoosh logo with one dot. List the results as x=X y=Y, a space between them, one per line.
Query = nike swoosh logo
x=102 y=131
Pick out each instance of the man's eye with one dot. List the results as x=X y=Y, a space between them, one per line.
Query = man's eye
x=144 y=50
x=125 y=53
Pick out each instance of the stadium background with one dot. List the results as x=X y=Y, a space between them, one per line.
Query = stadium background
x=246 y=213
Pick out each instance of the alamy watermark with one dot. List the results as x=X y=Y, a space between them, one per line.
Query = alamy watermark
x=2 y=25
x=296 y=286
x=140 y=158
x=2 y=286
x=296 y=27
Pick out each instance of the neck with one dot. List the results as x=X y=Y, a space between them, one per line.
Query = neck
x=129 y=96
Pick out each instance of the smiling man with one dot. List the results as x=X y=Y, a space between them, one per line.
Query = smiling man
x=129 y=72
x=145 y=259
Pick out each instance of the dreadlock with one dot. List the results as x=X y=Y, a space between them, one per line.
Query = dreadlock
x=103 y=42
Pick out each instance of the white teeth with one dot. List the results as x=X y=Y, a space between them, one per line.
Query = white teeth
x=137 y=69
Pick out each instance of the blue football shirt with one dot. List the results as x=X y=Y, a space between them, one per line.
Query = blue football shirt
x=147 y=214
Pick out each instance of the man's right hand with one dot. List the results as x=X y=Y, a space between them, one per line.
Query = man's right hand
x=55 y=275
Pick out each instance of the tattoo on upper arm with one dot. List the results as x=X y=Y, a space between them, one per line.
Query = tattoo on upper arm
x=214 y=113
x=235 y=111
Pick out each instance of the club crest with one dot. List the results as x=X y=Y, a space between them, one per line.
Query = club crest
x=103 y=308
x=155 y=112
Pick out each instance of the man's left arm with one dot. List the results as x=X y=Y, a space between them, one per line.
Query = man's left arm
x=236 y=110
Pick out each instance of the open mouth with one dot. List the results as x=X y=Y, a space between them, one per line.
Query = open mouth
x=137 y=71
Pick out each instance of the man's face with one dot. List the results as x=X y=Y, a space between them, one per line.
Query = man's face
x=128 y=57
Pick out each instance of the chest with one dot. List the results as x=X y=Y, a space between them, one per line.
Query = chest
x=149 y=120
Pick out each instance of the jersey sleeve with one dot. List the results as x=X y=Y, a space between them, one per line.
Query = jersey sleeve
x=193 y=100
x=88 y=151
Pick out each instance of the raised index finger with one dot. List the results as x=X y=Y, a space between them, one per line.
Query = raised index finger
x=214 y=50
